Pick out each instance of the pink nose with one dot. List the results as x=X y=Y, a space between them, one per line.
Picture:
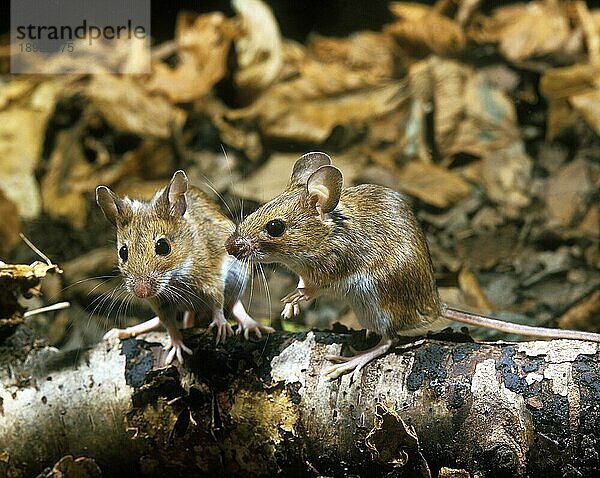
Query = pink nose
x=142 y=290
x=232 y=246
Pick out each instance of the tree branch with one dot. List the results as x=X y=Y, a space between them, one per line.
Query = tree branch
x=257 y=409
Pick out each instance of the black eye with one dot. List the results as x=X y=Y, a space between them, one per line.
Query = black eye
x=162 y=247
x=275 y=228
x=123 y=253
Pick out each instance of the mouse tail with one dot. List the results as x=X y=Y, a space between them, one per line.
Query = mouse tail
x=519 y=329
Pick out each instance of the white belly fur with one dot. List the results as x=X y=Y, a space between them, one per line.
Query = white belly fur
x=360 y=292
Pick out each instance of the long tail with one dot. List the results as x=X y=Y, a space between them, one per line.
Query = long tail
x=511 y=328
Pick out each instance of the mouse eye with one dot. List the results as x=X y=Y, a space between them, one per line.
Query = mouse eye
x=162 y=247
x=275 y=228
x=123 y=253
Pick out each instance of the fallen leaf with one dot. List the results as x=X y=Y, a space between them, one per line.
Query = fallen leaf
x=21 y=141
x=506 y=175
x=10 y=226
x=525 y=30
x=258 y=48
x=203 y=45
x=66 y=163
x=584 y=315
x=566 y=191
x=367 y=51
x=313 y=119
x=432 y=184
x=567 y=91
x=420 y=29
x=473 y=293
x=128 y=107
x=588 y=106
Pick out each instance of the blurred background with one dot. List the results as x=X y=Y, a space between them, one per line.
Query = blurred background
x=485 y=114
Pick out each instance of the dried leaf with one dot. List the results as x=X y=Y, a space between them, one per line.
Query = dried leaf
x=488 y=121
x=313 y=120
x=420 y=29
x=235 y=135
x=21 y=141
x=366 y=51
x=203 y=44
x=506 y=175
x=566 y=191
x=432 y=184
x=67 y=163
x=525 y=31
x=18 y=280
x=69 y=466
x=128 y=107
x=15 y=90
x=258 y=49
x=584 y=315
x=473 y=293
x=9 y=225
x=588 y=106
x=568 y=90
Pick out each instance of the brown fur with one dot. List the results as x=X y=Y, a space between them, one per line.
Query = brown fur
x=371 y=233
x=201 y=231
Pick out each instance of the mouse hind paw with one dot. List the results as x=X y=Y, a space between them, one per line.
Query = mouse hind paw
x=247 y=325
x=354 y=364
x=176 y=348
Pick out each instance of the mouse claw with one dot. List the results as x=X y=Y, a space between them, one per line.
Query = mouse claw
x=223 y=329
x=176 y=348
x=288 y=311
x=297 y=296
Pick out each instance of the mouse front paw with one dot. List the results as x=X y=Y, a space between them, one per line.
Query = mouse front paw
x=222 y=327
x=291 y=301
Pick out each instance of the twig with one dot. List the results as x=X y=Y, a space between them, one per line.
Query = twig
x=41 y=310
x=35 y=249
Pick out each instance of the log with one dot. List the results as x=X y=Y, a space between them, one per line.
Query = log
x=264 y=408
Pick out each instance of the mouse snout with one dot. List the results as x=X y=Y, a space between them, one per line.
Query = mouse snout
x=236 y=246
x=232 y=246
x=143 y=289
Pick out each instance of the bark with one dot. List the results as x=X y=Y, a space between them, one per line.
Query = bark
x=262 y=409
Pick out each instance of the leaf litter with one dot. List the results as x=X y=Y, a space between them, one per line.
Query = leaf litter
x=488 y=120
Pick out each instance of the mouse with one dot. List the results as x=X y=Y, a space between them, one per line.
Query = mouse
x=361 y=244
x=171 y=253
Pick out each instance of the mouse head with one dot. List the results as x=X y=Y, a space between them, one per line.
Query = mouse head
x=294 y=226
x=153 y=239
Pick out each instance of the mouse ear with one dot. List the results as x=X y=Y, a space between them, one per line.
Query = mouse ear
x=308 y=164
x=324 y=188
x=114 y=208
x=172 y=200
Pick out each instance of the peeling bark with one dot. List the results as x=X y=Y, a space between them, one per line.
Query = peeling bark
x=261 y=409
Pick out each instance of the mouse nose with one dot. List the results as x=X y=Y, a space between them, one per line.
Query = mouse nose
x=232 y=246
x=142 y=290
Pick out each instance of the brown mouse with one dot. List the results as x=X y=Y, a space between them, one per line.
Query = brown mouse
x=362 y=244
x=171 y=254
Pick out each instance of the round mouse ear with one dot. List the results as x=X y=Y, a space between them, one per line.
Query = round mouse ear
x=172 y=200
x=324 y=188
x=113 y=207
x=308 y=164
